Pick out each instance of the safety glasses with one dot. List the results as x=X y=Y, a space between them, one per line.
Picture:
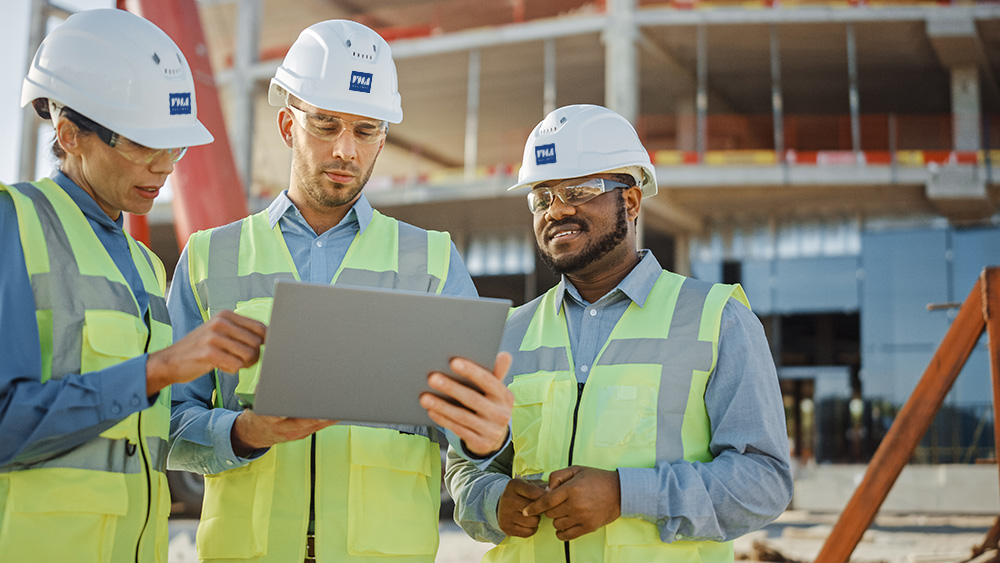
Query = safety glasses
x=131 y=150
x=329 y=127
x=134 y=152
x=571 y=192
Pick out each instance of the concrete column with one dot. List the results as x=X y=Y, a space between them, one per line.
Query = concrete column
x=687 y=125
x=621 y=59
x=248 y=15
x=549 y=95
x=855 y=101
x=777 y=100
x=965 y=107
x=701 y=98
x=472 y=116
x=29 y=129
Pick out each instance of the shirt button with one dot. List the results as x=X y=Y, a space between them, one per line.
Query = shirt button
x=593 y=312
x=229 y=462
x=584 y=369
x=319 y=243
x=115 y=408
x=135 y=401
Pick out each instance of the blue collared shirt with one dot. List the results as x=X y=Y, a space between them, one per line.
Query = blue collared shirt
x=40 y=419
x=200 y=435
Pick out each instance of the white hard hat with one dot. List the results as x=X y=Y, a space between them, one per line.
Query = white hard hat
x=343 y=66
x=123 y=72
x=580 y=140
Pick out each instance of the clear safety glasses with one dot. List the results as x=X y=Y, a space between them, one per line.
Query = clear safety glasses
x=571 y=192
x=131 y=150
x=134 y=152
x=329 y=127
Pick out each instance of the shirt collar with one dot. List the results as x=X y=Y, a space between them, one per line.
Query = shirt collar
x=636 y=285
x=87 y=204
x=361 y=212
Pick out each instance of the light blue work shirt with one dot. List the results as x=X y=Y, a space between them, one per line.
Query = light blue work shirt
x=201 y=435
x=38 y=420
x=747 y=484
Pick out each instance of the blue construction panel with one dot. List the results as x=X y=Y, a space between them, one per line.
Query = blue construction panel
x=756 y=282
x=904 y=271
x=972 y=250
x=973 y=385
x=877 y=375
x=813 y=285
x=710 y=271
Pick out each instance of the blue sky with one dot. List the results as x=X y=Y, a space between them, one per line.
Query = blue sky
x=13 y=65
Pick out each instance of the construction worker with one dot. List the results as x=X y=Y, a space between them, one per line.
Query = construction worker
x=84 y=396
x=289 y=489
x=648 y=423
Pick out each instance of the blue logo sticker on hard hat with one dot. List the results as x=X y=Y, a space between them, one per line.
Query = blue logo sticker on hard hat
x=545 y=154
x=361 y=82
x=180 y=104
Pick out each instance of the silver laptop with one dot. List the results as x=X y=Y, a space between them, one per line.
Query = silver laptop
x=363 y=354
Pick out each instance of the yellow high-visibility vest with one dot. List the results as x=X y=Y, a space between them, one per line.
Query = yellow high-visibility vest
x=643 y=403
x=106 y=500
x=377 y=490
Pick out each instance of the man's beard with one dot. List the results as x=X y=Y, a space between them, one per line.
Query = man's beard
x=314 y=182
x=593 y=251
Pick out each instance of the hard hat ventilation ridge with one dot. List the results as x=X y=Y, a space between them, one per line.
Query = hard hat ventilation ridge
x=360 y=50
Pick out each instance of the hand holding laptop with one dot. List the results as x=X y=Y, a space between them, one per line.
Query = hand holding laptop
x=480 y=419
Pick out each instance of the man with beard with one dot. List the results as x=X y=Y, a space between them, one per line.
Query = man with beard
x=648 y=423
x=288 y=489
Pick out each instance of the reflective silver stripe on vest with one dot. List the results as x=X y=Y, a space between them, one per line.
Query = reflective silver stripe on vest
x=158 y=448
x=224 y=288
x=412 y=274
x=67 y=292
x=225 y=384
x=157 y=305
x=679 y=354
x=98 y=454
x=524 y=361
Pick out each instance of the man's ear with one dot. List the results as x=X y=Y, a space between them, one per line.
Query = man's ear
x=633 y=201
x=285 y=121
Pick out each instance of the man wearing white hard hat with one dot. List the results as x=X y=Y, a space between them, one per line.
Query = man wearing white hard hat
x=87 y=360
x=648 y=423
x=287 y=489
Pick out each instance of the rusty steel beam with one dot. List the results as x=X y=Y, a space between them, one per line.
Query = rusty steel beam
x=990 y=280
x=910 y=425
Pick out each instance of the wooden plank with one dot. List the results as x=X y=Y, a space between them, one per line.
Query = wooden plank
x=990 y=280
x=909 y=427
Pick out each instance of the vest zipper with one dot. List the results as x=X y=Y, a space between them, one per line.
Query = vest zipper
x=143 y=451
x=312 y=483
x=572 y=442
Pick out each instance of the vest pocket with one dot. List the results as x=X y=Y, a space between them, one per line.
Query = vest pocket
x=109 y=338
x=236 y=513
x=79 y=506
x=258 y=309
x=630 y=539
x=393 y=498
x=539 y=434
x=627 y=416
x=512 y=550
